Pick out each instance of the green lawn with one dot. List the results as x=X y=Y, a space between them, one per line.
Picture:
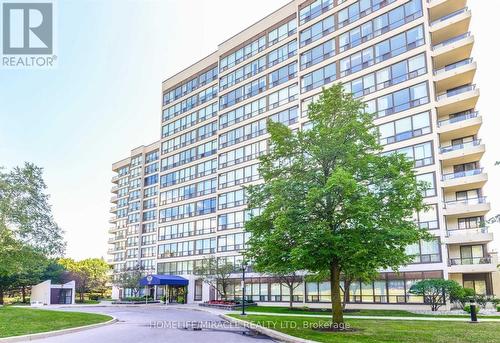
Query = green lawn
x=373 y=331
x=385 y=313
x=22 y=321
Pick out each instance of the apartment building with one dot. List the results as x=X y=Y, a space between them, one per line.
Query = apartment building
x=181 y=199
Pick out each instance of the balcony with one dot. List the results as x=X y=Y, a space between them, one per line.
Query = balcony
x=116 y=239
x=112 y=220
x=113 y=209
x=450 y=25
x=461 y=236
x=114 y=199
x=461 y=153
x=463 y=125
x=465 y=180
x=452 y=50
x=457 y=100
x=472 y=265
x=454 y=75
x=441 y=8
x=467 y=207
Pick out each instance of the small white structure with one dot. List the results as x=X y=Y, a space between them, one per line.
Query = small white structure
x=46 y=293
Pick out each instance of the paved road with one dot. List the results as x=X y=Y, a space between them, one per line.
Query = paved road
x=157 y=324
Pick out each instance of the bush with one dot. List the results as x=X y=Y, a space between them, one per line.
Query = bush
x=481 y=300
x=164 y=299
x=498 y=308
x=462 y=296
x=468 y=310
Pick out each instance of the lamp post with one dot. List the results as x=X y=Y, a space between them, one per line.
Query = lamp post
x=243 y=268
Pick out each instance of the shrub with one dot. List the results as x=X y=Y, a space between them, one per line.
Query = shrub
x=468 y=310
x=481 y=300
x=498 y=308
x=495 y=301
x=462 y=296
x=435 y=291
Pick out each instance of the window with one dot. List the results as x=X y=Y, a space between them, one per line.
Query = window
x=398 y=101
x=282 y=32
x=235 y=241
x=242 y=154
x=243 y=53
x=317 y=54
x=317 y=31
x=314 y=10
x=242 y=133
x=239 y=176
x=318 y=78
x=421 y=154
x=405 y=128
x=244 y=92
x=425 y=251
x=282 y=75
x=241 y=113
x=428 y=219
x=283 y=96
x=282 y=53
x=470 y=223
x=382 y=51
x=287 y=117
x=232 y=199
x=243 y=73
x=429 y=180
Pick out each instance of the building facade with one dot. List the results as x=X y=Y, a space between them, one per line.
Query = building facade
x=181 y=199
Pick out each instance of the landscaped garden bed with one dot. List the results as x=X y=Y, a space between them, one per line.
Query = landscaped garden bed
x=135 y=301
x=226 y=305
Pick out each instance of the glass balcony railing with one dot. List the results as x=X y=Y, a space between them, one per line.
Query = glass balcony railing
x=453 y=66
x=455 y=147
x=457 y=232
x=465 y=173
x=458 y=118
x=451 y=40
x=448 y=16
x=455 y=91
x=469 y=260
x=471 y=201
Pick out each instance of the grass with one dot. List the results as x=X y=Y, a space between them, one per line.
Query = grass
x=385 y=313
x=374 y=331
x=23 y=321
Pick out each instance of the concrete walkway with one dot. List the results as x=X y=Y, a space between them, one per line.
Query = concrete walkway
x=436 y=318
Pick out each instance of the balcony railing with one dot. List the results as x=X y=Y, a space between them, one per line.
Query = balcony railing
x=461 y=146
x=458 y=118
x=471 y=201
x=455 y=91
x=451 y=40
x=469 y=260
x=453 y=66
x=465 y=173
x=448 y=16
x=456 y=232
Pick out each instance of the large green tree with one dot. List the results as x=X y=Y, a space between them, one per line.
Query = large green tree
x=28 y=232
x=90 y=275
x=331 y=195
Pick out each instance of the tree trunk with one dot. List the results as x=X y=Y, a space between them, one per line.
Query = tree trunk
x=346 y=294
x=23 y=292
x=337 y=315
x=1 y=296
x=291 y=297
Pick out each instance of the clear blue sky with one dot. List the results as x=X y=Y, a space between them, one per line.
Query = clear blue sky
x=104 y=96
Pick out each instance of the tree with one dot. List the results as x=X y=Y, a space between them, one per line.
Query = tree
x=130 y=279
x=89 y=274
x=462 y=296
x=330 y=192
x=435 y=291
x=25 y=210
x=216 y=273
x=28 y=232
x=290 y=280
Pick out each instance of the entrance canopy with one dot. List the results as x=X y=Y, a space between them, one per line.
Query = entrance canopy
x=171 y=280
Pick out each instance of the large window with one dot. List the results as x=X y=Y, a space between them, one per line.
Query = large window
x=318 y=78
x=232 y=199
x=242 y=133
x=231 y=242
x=242 y=154
x=359 y=9
x=189 y=155
x=386 y=77
x=421 y=154
x=430 y=182
x=282 y=53
x=243 y=53
x=282 y=32
x=190 y=191
x=425 y=251
x=239 y=176
x=317 y=54
x=244 y=92
x=317 y=31
x=314 y=10
x=188 y=210
x=243 y=73
x=382 y=51
x=398 y=101
x=189 y=173
x=405 y=128
x=282 y=75
x=241 y=113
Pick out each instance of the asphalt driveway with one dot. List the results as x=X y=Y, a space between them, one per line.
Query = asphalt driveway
x=158 y=324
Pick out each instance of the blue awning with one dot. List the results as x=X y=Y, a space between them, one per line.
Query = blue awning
x=171 y=280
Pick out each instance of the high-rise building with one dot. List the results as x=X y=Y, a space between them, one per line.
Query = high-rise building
x=181 y=199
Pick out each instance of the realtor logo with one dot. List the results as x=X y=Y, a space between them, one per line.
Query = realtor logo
x=27 y=28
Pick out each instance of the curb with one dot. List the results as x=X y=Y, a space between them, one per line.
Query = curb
x=47 y=334
x=281 y=337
